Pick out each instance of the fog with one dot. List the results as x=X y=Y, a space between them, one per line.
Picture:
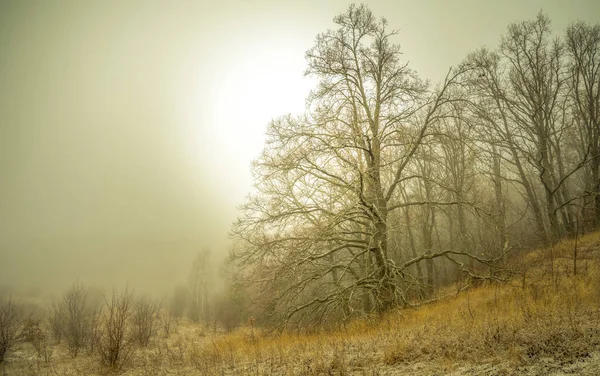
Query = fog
x=127 y=129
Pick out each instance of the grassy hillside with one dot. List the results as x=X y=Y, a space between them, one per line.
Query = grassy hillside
x=545 y=320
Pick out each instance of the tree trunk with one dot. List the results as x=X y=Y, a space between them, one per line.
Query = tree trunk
x=413 y=250
x=499 y=209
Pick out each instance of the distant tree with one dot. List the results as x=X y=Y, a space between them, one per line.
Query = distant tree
x=537 y=102
x=200 y=282
x=488 y=86
x=583 y=48
x=179 y=301
x=524 y=92
x=231 y=306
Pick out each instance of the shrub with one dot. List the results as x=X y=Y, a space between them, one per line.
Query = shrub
x=33 y=333
x=11 y=320
x=167 y=321
x=76 y=318
x=116 y=345
x=56 y=317
x=144 y=320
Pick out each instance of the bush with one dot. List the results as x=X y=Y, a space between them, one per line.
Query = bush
x=11 y=320
x=33 y=333
x=167 y=321
x=56 y=318
x=144 y=320
x=75 y=318
x=94 y=331
x=116 y=345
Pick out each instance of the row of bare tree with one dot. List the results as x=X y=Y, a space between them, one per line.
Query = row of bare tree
x=112 y=329
x=387 y=188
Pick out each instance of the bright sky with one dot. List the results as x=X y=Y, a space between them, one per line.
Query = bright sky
x=129 y=126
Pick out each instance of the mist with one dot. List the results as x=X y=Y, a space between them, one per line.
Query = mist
x=115 y=166
x=216 y=174
x=127 y=129
x=99 y=177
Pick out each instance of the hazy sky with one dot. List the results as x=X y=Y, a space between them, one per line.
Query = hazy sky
x=127 y=128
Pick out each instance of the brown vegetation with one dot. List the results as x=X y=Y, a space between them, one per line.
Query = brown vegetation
x=545 y=318
x=11 y=317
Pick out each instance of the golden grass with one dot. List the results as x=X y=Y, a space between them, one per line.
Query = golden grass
x=548 y=315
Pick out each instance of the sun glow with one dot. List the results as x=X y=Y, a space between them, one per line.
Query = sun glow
x=251 y=85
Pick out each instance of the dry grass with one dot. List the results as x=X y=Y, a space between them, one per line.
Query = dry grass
x=547 y=321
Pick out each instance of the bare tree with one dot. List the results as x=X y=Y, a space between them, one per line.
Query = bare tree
x=34 y=334
x=583 y=48
x=386 y=184
x=116 y=343
x=56 y=320
x=94 y=330
x=75 y=320
x=537 y=105
x=488 y=86
x=167 y=320
x=11 y=320
x=329 y=181
x=522 y=92
x=144 y=320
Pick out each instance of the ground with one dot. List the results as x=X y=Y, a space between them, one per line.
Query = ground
x=544 y=321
